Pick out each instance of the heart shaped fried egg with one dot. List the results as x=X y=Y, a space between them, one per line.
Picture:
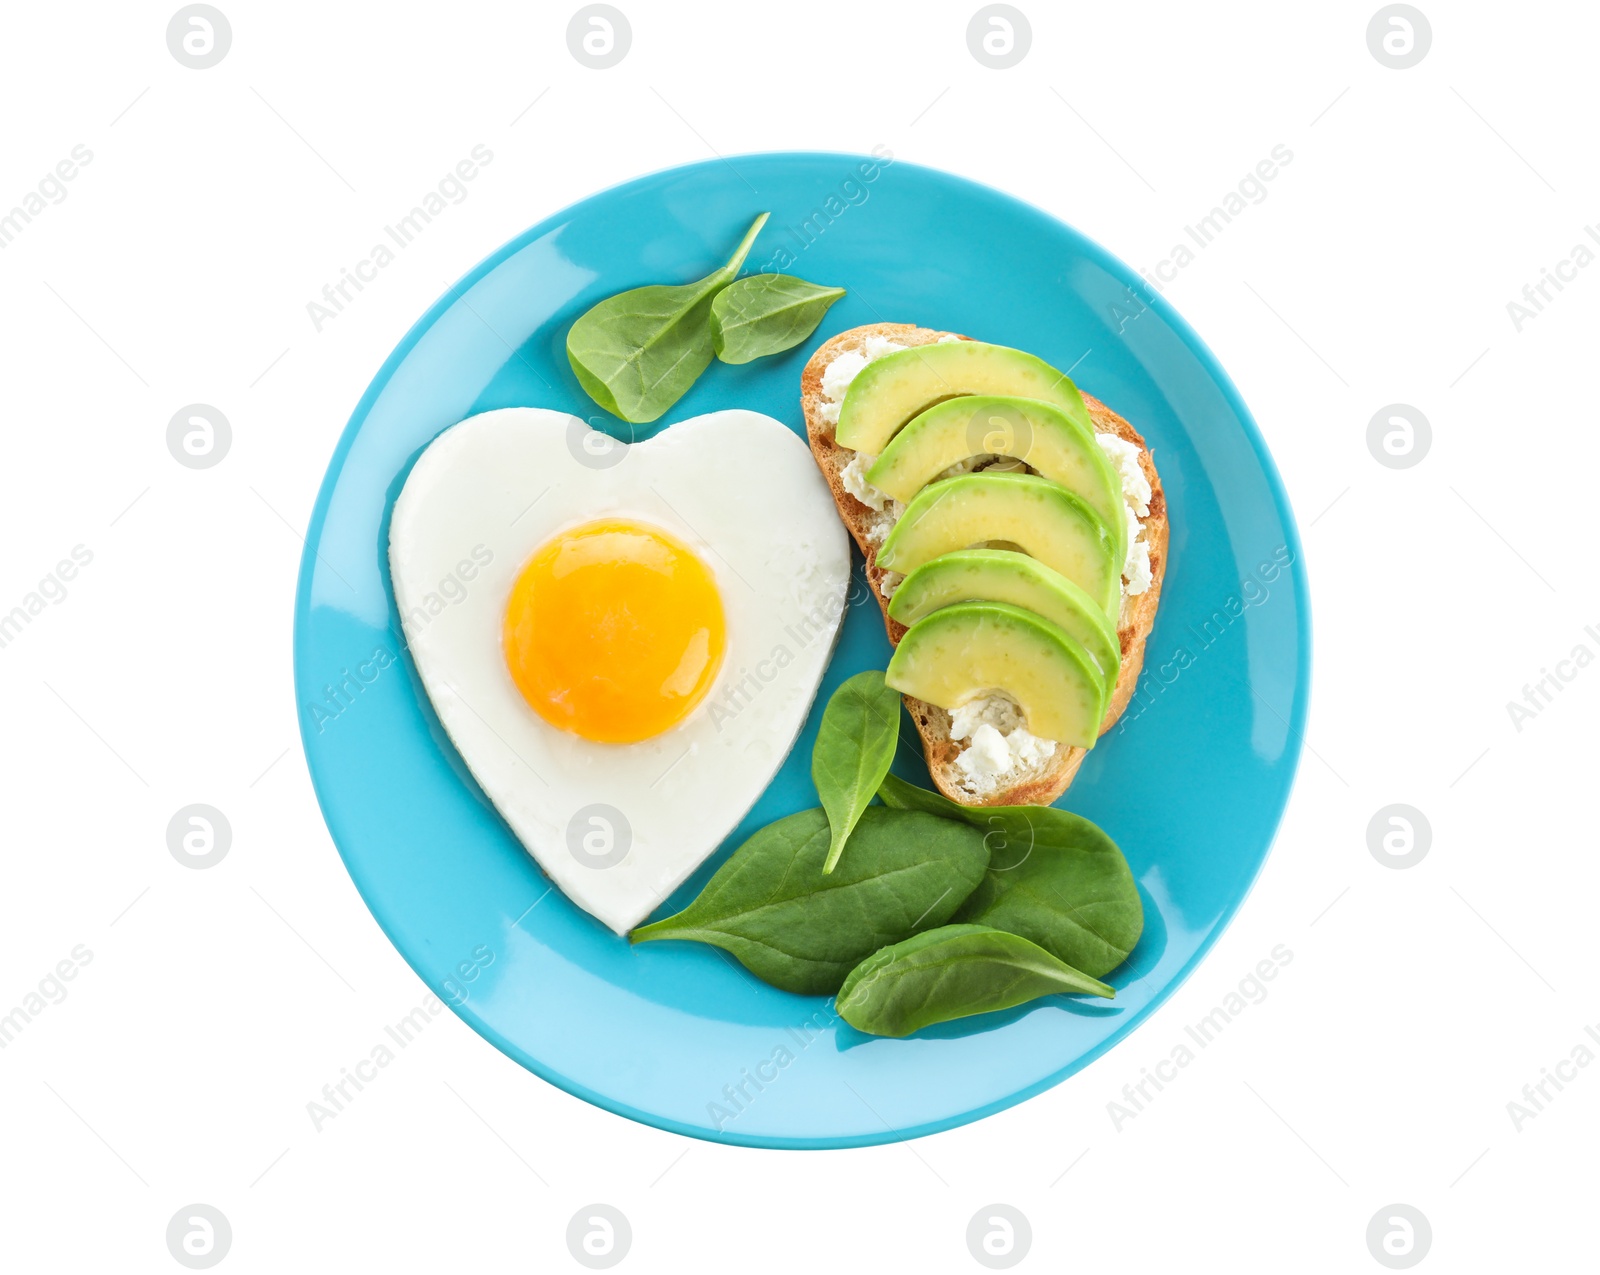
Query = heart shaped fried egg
x=622 y=641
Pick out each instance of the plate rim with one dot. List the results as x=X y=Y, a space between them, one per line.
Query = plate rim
x=1298 y=713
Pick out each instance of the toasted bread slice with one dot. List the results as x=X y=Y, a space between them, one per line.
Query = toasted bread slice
x=1049 y=780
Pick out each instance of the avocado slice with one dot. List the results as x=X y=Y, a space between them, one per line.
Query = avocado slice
x=1023 y=511
x=963 y=651
x=889 y=391
x=1042 y=436
x=1001 y=575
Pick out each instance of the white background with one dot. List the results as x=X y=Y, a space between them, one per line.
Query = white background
x=219 y=1002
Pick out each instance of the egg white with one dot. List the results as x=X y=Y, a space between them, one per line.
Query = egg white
x=737 y=487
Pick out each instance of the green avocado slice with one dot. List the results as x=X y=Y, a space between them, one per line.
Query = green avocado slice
x=960 y=652
x=890 y=390
x=1053 y=443
x=1003 y=575
x=1022 y=511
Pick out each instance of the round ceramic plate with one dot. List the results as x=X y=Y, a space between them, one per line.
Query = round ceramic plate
x=1191 y=785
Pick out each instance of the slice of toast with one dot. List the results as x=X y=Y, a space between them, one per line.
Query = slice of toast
x=1044 y=783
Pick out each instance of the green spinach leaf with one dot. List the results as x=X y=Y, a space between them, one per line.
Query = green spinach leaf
x=855 y=745
x=772 y=908
x=637 y=353
x=953 y=972
x=766 y=314
x=1054 y=877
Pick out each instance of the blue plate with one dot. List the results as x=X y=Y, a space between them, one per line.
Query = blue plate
x=1191 y=785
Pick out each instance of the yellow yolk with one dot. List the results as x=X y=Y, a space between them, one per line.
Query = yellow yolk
x=614 y=631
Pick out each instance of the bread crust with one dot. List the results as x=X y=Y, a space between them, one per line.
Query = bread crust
x=933 y=723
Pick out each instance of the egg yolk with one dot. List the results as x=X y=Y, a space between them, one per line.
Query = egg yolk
x=614 y=631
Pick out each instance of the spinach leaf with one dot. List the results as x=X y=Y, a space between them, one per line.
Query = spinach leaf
x=771 y=907
x=766 y=314
x=855 y=745
x=1054 y=878
x=637 y=353
x=953 y=972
